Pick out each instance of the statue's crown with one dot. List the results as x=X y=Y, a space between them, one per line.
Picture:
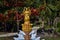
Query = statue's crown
x=26 y=10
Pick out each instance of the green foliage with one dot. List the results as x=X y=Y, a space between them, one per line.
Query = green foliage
x=52 y=7
x=58 y=24
x=58 y=27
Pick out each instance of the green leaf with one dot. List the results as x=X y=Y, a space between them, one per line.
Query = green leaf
x=53 y=8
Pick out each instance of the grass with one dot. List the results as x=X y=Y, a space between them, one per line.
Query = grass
x=52 y=38
x=6 y=38
x=46 y=38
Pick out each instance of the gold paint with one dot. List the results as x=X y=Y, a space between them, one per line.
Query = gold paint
x=26 y=27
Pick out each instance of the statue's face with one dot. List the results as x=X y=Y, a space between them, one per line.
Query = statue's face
x=27 y=11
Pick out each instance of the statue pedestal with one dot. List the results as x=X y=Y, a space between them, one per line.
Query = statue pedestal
x=27 y=36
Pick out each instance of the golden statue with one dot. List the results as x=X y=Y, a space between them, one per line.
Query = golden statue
x=26 y=27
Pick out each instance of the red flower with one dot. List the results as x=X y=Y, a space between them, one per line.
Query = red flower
x=42 y=7
x=6 y=17
x=15 y=5
x=1 y=16
x=34 y=11
x=18 y=16
x=19 y=3
x=7 y=5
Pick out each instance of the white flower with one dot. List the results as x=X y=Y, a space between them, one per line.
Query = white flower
x=33 y=36
x=38 y=38
x=32 y=32
x=21 y=32
x=20 y=36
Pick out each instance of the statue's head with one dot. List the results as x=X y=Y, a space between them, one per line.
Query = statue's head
x=26 y=11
